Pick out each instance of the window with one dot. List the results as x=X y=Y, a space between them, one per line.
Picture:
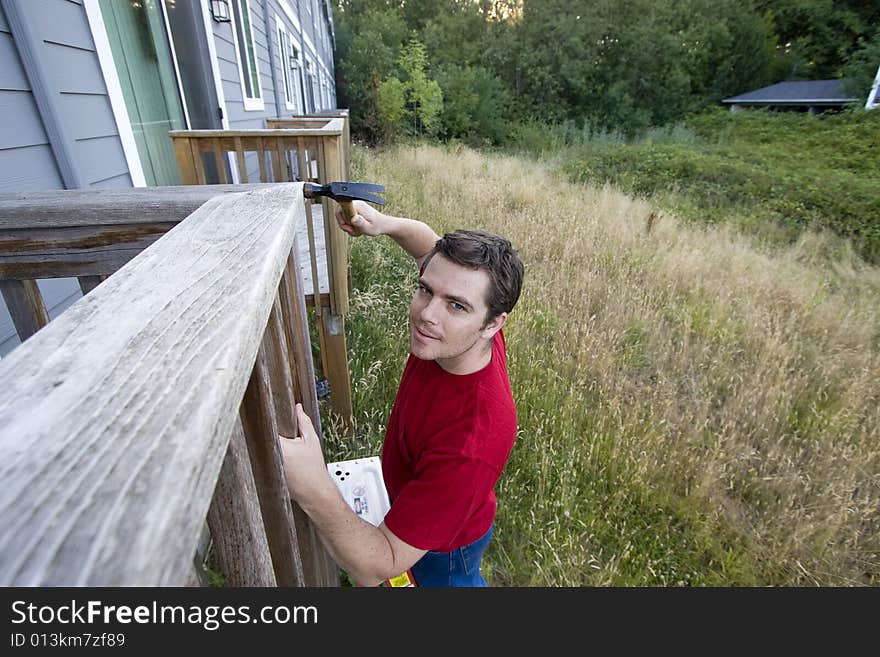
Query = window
x=288 y=60
x=310 y=87
x=247 y=57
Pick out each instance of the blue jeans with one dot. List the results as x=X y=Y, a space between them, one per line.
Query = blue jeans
x=461 y=567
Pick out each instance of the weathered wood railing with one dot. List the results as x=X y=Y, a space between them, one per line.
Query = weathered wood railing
x=309 y=120
x=311 y=149
x=154 y=403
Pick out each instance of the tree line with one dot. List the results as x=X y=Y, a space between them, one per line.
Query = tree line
x=476 y=69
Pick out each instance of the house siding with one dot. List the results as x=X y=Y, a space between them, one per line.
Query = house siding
x=26 y=158
x=81 y=105
x=72 y=74
x=262 y=14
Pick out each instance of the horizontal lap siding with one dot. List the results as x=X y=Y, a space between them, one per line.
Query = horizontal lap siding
x=227 y=60
x=26 y=160
x=74 y=78
x=75 y=72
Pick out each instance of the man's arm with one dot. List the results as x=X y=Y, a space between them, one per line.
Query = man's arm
x=369 y=554
x=415 y=237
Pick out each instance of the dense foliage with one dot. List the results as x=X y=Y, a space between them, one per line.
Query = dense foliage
x=471 y=69
x=771 y=174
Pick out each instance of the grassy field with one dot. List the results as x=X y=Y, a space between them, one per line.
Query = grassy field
x=692 y=410
x=771 y=175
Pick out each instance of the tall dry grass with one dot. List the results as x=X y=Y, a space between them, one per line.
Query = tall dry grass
x=692 y=410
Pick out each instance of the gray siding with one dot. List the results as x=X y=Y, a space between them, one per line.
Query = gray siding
x=263 y=12
x=312 y=23
x=74 y=71
x=26 y=159
x=67 y=60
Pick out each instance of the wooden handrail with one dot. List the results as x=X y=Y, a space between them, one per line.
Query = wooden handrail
x=317 y=152
x=116 y=417
x=57 y=233
x=306 y=119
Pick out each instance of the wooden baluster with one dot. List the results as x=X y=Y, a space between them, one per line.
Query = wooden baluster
x=310 y=228
x=240 y=541
x=198 y=164
x=242 y=163
x=282 y=383
x=264 y=174
x=261 y=431
x=25 y=304
x=183 y=151
x=293 y=311
x=279 y=175
x=89 y=283
x=220 y=160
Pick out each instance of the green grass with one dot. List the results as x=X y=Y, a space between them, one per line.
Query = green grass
x=771 y=174
x=692 y=411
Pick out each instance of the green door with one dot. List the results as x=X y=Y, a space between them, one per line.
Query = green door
x=139 y=42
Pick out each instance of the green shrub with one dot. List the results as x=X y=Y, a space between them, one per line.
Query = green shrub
x=755 y=168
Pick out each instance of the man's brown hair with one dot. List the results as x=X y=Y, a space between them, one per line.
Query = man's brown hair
x=477 y=249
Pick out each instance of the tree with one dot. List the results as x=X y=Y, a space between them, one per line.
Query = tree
x=410 y=106
x=860 y=70
x=475 y=104
x=816 y=37
x=368 y=48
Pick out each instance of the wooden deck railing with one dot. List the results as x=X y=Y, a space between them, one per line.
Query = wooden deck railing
x=154 y=403
x=307 y=149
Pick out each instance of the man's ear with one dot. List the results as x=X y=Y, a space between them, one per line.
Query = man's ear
x=493 y=326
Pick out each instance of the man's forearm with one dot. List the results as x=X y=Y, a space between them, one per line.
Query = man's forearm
x=415 y=237
x=358 y=547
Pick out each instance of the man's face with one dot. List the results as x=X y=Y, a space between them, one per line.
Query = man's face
x=447 y=316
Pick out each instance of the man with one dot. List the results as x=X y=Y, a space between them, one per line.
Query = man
x=452 y=426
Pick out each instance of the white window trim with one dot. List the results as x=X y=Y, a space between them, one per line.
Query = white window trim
x=284 y=57
x=310 y=75
x=114 y=92
x=291 y=15
x=250 y=104
x=309 y=44
x=177 y=75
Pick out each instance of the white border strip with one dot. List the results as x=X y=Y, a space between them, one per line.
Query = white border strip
x=176 y=67
x=218 y=85
x=284 y=57
x=215 y=69
x=114 y=91
x=286 y=8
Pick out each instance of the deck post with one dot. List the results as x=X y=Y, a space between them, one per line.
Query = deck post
x=333 y=323
x=235 y=521
x=25 y=304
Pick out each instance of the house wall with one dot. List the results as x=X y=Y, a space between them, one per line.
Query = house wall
x=26 y=158
x=307 y=25
x=79 y=107
x=65 y=63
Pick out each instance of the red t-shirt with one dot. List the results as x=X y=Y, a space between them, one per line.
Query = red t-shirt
x=447 y=441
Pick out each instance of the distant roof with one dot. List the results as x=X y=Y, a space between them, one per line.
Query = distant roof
x=808 y=92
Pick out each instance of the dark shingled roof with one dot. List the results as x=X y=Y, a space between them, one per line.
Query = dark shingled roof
x=809 y=92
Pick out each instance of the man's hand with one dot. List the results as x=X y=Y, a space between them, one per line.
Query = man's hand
x=304 y=467
x=367 y=220
x=369 y=554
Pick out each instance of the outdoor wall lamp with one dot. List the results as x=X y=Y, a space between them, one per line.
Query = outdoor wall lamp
x=220 y=11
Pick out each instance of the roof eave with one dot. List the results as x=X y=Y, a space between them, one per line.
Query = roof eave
x=804 y=101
